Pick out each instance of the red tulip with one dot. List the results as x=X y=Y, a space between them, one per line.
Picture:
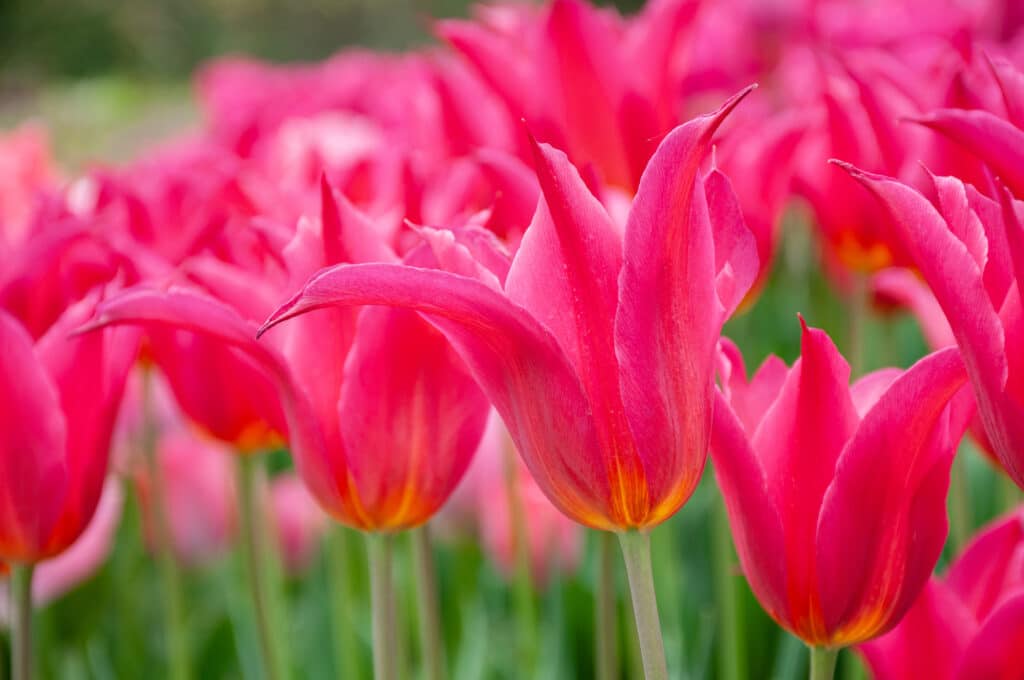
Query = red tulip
x=969 y=250
x=598 y=348
x=798 y=451
x=968 y=625
x=60 y=403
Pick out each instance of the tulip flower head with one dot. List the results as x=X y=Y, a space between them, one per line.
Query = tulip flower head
x=797 y=451
x=61 y=398
x=970 y=251
x=597 y=348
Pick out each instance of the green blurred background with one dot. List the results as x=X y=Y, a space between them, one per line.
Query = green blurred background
x=110 y=76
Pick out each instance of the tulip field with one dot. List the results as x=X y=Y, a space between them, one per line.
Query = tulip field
x=683 y=340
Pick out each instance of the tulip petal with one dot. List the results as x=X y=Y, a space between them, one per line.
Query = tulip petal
x=928 y=642
x=1011 y=84
x=565 y=273
x=753 y=517
x=736 y=259
x=982 y=573
x=997 y=651
x=798 y=442
x=96 y=365
x=179 y=309
x=585 y=77
x=32 y=449
x=874 y=558
x=411 y=417
x=992 y=139
x=669 y=317
x=516 y=361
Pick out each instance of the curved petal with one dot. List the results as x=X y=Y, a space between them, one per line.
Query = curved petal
x=516 y=362
x=873 y=558
x=669 y=318
x=928 y=642
x=180 y=309
x=992 y=139
x=736 y=259
x=565 y=274
x=33 y=444
x=997 y=651
x=753 y=516
x=982 y=573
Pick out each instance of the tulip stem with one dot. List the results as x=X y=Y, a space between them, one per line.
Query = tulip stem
x=170 y=575
x=730 y=631
x=258 y=566
x=379 y=548
x=823 y=663
x=428 y=609
x=526 y=614
x=21 y=624
x=636 y=550
x=342 y=600
x=606 y=639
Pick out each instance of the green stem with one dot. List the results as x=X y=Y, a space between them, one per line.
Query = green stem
x=379 y=548
x=21 y=622
x=526 y=613
x=636 y=550
x=339 y=578
x=428 y=609
x=860 y=301
x=823 y=663
x=170 y=575
x=959 y=503
x=606 y=639
x=730 y=630
x=257 y=558
x=852 y=668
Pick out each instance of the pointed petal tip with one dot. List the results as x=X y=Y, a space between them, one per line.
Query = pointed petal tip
x=732 y=102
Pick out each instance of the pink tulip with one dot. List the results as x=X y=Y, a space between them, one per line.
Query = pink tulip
x=60 y=406
x=598 y=347
x=968 y=249
x=797 y=451
x=968 y=625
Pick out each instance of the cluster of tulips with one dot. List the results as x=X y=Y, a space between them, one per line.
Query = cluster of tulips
x=518 y=251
